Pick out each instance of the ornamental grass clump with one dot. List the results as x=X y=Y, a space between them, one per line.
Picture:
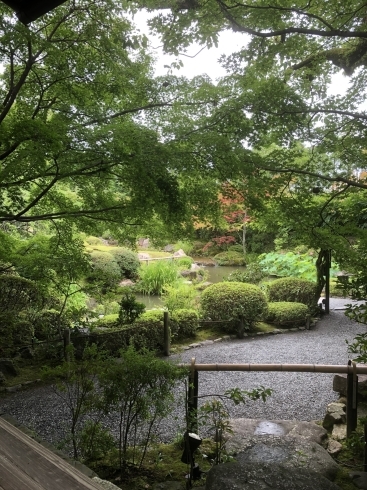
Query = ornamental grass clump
x=228 y=301
x=294 y=290
x=156 y=275
x=287 y=314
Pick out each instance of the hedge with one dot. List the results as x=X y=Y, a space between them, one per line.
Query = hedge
x=146 y=332
x=294 y=290
x=287 y=314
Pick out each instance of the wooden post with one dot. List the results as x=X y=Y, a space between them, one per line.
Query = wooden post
x=241 y=327
x=365 y=448
x=352 y=386
x=166 y=333
x=327 y=282
x=66 y=343
x=192 y=402
x=308 y=322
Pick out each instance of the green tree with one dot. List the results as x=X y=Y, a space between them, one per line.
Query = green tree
x=77 y=124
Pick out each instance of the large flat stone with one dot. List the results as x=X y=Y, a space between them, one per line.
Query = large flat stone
x=264 y=476
x=245 y=429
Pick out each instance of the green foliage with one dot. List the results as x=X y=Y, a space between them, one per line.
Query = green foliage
x=93 y=240
x=18 y=294
x=179 y=296
x=214 y=416
x=294 y=290
x=231 y=300
x=183 y=324
x=287 y=314
x=76 y=386
x=156 y=275
x=236 y=248
x=184 y=245
x=230 y=258
x=94 y=441
x=184 y=262
x=140 y=388
x=106 y=270
x=130 y=309
x=253 y=274
x=288 y=265
x=127 y=260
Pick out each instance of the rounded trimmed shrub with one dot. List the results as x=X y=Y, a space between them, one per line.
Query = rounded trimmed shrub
x=286 y=313
x=127 y=260
x=294 y=290
x=230 y=258
x=230 y=300
x=105 y=268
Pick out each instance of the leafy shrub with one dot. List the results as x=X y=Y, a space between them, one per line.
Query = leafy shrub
x=230 y=300
x=184 y=262
x=187 y=247
x=294 y=290
x=106 y=270
x=230 y=258
x=289 y=265
x=48 y=323
x=236 y=248
x=93 y=240
x=184 y=324
x=253 y=274
x=130 y=309
x=156 y=275
x=179 y=296
x=285 y=313
x=127 y=260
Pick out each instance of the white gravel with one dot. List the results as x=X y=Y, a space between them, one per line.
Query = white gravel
x=301 y=396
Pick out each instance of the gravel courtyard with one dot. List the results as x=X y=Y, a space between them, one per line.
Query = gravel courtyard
x=301 y=396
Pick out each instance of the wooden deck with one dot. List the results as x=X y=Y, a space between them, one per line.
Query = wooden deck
x=27 y=465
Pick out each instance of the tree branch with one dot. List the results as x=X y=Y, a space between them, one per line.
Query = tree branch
x=337 y=178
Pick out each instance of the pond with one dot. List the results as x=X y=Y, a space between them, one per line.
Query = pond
x=216 y=274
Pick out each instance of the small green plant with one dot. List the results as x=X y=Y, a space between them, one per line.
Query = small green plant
x=232 y=300
x=140 y=389
x=156 y=275
x=253 y=274
x=179 y=296
x=184 y=263
x=130 y=309
x=213 y=415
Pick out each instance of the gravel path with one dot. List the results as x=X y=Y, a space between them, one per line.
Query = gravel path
x=301 y=396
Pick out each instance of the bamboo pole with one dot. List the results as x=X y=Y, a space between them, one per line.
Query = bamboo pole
x=302 y=368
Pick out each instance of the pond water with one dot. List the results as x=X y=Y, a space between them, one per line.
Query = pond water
x=215 y=274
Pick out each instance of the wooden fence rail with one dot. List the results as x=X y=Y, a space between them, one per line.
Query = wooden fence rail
x=351 y=370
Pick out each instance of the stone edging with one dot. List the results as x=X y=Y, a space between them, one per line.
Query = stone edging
x=252 y=336
x=12 y=389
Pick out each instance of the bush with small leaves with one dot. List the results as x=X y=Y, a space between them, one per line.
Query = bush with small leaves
x=253 y=274
x=287 y=314
x=294 y=290
x=127 y=260
x=231 y=300
x=230 y=258
x=106 y=270
x=184 y=324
